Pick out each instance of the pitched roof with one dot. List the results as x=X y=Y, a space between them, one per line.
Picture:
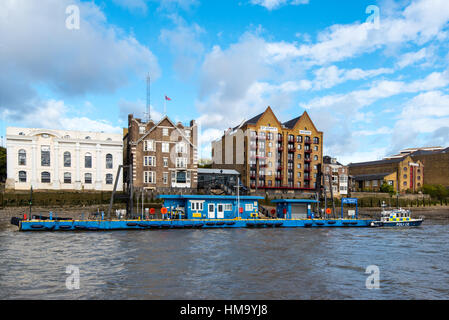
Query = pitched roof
x=371 y=163
x=368 y=177
x=291 y=123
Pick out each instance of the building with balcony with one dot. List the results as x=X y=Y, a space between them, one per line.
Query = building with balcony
x=162 y=154
x=271 y=155
x=62 y=160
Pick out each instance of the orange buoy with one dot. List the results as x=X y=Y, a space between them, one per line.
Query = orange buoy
x=152 y=211
x=163 y=210
x=328 y=211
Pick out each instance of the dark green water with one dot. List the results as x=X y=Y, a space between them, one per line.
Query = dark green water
x=228 y=264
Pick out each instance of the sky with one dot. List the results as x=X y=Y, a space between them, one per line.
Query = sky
x=373 y=75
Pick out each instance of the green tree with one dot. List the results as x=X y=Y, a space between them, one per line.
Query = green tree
x=386 y=188
x=2 y=164
x=436 y=191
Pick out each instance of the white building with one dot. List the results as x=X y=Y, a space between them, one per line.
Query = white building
x=62 y=160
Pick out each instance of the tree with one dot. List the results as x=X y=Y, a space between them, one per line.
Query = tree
x=2 y=164
x=386 y=188
x=436 y=191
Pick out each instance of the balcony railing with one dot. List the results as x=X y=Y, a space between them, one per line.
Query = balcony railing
x=292 y=150
x=280 y=148
x=308 y=150
x=279 y=178
x=307 y=159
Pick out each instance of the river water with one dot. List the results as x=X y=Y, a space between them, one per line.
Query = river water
x=413 y=263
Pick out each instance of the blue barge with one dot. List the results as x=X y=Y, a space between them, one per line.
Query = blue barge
x=204 y=212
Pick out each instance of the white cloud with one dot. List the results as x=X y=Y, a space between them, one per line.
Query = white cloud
x=275 y=4
x=380 y=90
x=53 y=114
x=410 y=58
x=184 y=43
x=97 y=58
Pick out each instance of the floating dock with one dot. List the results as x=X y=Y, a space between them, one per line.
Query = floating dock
x=204 y=212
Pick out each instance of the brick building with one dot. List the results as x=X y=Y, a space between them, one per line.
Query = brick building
x=272 y=155
x=403 y=173
x=338 y=177
x=435 y=160
x=163 y=154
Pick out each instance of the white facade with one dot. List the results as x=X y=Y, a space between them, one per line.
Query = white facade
x=62 y=160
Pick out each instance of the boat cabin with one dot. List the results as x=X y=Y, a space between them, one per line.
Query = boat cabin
x=211 y=207
x=295 y=208
x=396 y=215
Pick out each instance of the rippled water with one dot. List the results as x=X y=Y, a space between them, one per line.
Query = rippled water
x=227 y=264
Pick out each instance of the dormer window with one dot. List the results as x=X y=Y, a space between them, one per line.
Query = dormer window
x=87 y=138
x=44 y=135
x=21 y=134
x=66 y=137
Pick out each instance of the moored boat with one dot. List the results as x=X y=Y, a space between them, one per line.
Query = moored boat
x=396 y=218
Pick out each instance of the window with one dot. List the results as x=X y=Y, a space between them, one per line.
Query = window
x=66 y=137
x=181 y=162
x=228 y=207
x=45 y=177
x=148 y=145
x=109 y=162
x=165 y=132
x=316 y=140
x=165 y=162
x=22 y=176
x=149 y=177
x=248 y=207
x=22 y=157
x=299 y=166
x=405 y=184
x=141 y=129
x=315 y=158
x=45 y=156
x=165 y=147
x=299 y=139
x=109 y=178
x=181 y=177
x=197 y=205
x=187 y=133
x=299 y=147
x=405 y=169
x=165 y=177
x=67 y=160
x=299 y=157
x=315 y=148
x=67 y=177
x=405 y=176
x=181 y=147
x=88 y=138
x=374 y=183
x=299 y=184
x=88 y=160
x=149 y=161
x=88 y=178
x=299 y=174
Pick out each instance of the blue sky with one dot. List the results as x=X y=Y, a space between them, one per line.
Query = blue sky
x=373 y=86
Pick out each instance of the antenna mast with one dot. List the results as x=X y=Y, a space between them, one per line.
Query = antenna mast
x=148 y=99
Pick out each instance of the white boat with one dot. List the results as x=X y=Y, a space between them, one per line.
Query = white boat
x=396 y=218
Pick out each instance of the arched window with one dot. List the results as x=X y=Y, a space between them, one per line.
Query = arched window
x=316 y=140
x=88 y=178
x=109 y=178
x=88 y=160
x=109 y=162
x=67 y=177
x=315 y=158
x=67 y=159
x=22 y=176
x=22 y=157
x=45 y=177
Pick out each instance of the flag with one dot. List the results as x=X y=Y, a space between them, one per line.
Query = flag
x=167 y=98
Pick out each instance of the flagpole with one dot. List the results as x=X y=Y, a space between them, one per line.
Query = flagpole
x=165 y=105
